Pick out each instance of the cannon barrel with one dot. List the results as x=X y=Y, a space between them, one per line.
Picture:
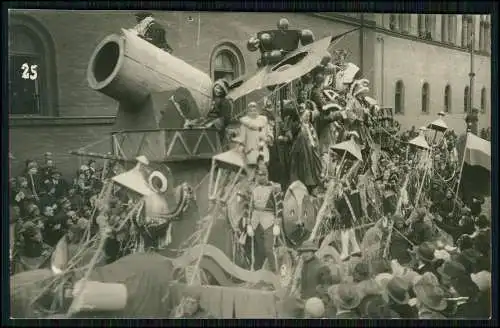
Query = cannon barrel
x=129 y=69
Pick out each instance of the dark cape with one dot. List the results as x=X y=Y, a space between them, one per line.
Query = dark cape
x=305 y=160
x=279 y=152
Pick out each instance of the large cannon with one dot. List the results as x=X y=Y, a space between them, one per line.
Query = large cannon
x=143 y=78
x=157 y=93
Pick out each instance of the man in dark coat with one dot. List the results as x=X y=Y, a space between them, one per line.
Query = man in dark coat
x=311 y=270
x=55 y=186
x=421 y=231
x=151 y=31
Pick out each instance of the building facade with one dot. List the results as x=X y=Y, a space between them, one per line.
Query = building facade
x=418 y=64
x=423 y=64
x=52 y=108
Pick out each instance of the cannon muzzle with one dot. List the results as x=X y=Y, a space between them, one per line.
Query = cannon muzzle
x=130 y=69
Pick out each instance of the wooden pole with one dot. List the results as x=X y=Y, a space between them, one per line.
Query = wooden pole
x=461 y=169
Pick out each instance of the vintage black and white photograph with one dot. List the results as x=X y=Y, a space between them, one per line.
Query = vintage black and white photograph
x=177 y=164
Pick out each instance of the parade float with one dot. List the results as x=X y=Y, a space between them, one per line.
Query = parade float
x=163 y=121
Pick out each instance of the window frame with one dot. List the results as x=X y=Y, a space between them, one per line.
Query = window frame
x=229 y=47
x=444 y=28
x=483 y=100
x=48 y=80
x=426 y=103
x=399 y=89
x=452 y=29
x=466 y=99
x=448 y=99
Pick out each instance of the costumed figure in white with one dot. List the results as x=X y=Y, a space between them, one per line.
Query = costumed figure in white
x=254 y=138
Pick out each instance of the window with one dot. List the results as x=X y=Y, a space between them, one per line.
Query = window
x=399 y=98
x=484 y=34
x=227 y=63
x=425 y=98
x=225 y=66
x=487 y=35
x=452 y=28
x=404 y=22
x=481 y=35
x=32 y=86
x=483 y=100
x=467 y=30
x=444 y=28
x=466 y=99
x=429 y=26
x=421 y=26
x=393 y=22
x=447 y=99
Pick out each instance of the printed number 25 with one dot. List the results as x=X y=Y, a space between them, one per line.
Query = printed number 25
x=29 y=72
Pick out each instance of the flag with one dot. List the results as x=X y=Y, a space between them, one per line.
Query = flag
x=477 y=151
x=476 y=168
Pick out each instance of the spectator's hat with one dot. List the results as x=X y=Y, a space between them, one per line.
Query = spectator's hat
x=383 y=279
x=431 y=315
x=442 y=254
x=347 y=296
x=31 y=207
x=54 y=172
x=482 y=221
x=361 y=271
x=314 y=308
x=375 y=307
x=469 y=259
x=425 y=252
x=427 y=278
x=482 y=280
x=452 y=270
x=369 y=287
x=432 y=296
x=397 y=291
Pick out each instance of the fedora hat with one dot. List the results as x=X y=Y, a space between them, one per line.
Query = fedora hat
x=397 y=291
x=308 y=246
x=452 y=270
x=383 y=279
x=314 y=308
x=369 y=287
x=432 y=296
x=425 y=252
x=347 y=296
x=482 y=280
x=375 y=307
x=442 y=254
x=431 y=315
x=361 y=271
x=427 y=278
x=469 y=259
